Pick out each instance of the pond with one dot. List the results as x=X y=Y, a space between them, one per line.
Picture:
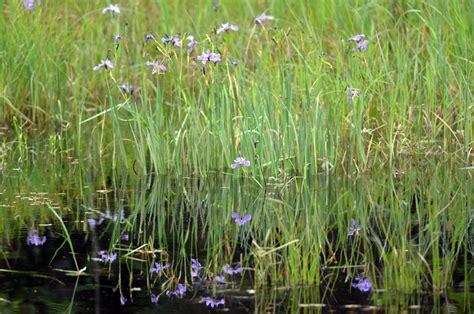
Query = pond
x=78 y=240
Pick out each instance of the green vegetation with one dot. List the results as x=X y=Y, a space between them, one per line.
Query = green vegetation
x=398 y=158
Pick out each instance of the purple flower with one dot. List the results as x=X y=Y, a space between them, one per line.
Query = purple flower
x=210 y=302
x=154 y=298
x=155 y=66
x=35 y=239
x=209 y=56
x=241 y=221
x=227 y=269
x=360 y=45
x=176 y=42
x=192 y=43
x=30 y=4
x=125 y=88
x=125 y=237
x=362 y=283
x=106 y=64
x=149 y=37
x=262 y=18
x=239 y=162
x=226 y=27
x=118 y=38
x=357 y=38
x=220 y=278
x=179 y=292
x=195 y=267
x=107 y=258
x=159 y=268
x=354 y=229
x=123 y=300
x=112 y=8
x=351 y=93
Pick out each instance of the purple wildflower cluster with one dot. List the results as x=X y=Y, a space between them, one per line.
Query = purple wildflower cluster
x=240 y=221
x=354 y=229
x=360 y=43
x=209 y=57
x=30 y=4
x=240 y=161
x=362 y=283
x=173 y=40
x=155 y=66
x=179 y=292
x=107 y=258
x=159 y=268
x=35 y=239
x=210 y=302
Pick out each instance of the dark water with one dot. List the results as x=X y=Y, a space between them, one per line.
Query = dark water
x=37 y=285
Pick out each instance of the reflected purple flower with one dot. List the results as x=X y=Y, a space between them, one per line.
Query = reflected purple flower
x=155 y=67
x=227 y=269
x=114 y=9
x=159 y=268
x=241 y=221
x=220 y=278
x=240 y=161
x=179 y=292
x=123 y=300
x=210 y=302
x=107 y=258
x=362 y=283
x=226 y=27
x=195 y=267
x=259 y=20
x=106 y=64
x=30 y=4
x=35 y=239
x=354 y=228
x=154 y=298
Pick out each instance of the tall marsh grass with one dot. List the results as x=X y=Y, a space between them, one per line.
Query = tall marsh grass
x=397 y=159
x=288 y=90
